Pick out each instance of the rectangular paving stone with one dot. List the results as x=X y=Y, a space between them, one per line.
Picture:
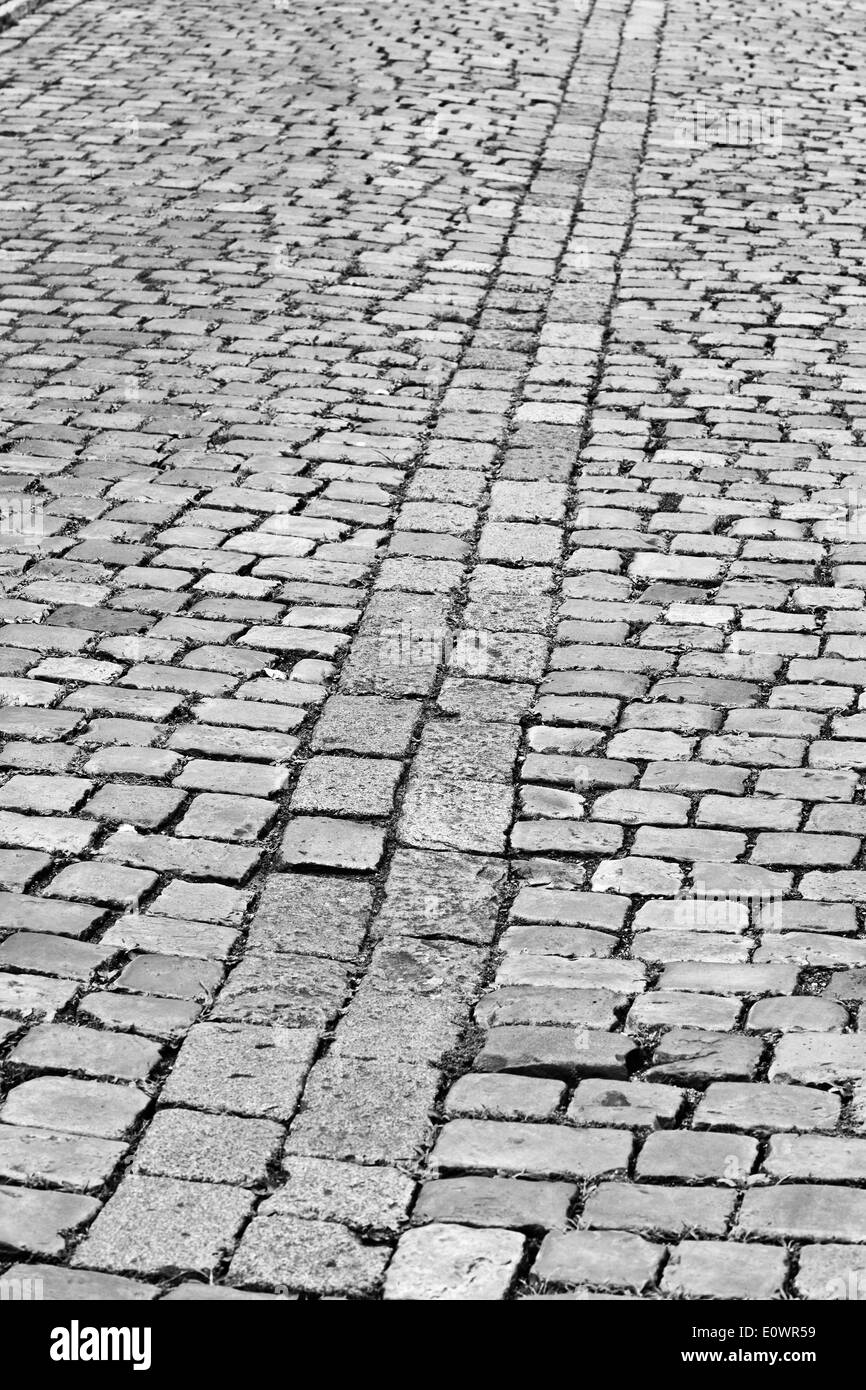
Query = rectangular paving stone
x=163 y=1226
x=37 y=1222
x=332 y=843
x=819 y=1059
x=624 y=1104
x=307 y=1256
x=529 y=1149
x=713 y=1269
x=456 y=815
x=171 y=936
x=50 y=1157
x=315 y=914
x=97 y=1053
x=76 y=1107
x=365 y=1198
x=20 y=912
x=598 y=1259
x=52 y=955
x=441 y=894
x=501 y=1202
x=365 y=1110
x=659 y=1212
x=441 y=1262
x=211 y=1148
x=696 y=1157
x=502 y=1096
x=760 y=1107
x=804 y=1211
x=560 y=1052
x=245 y=1069
x=289 y=991
x=195 y=858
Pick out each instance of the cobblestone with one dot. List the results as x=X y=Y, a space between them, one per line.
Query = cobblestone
x=431 y=652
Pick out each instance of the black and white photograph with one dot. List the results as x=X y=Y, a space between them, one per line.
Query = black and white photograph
x=432 y=669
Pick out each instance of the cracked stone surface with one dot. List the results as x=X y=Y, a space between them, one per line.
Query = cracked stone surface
x=432 y=650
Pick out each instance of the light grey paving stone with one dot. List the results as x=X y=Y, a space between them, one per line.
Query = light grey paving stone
x=713 y=1269
x=819 y=1059
x=366 y=724
x=35 y=996
x=760 y=1107
x=696 y=1157
x=815 y=1157
x=316 y=914
x=501 y=1202
x=37 y=1222
x=600 y=1259
x=805 y=1211
x=52 y=955
x=831 y=1272
x=19 y=912
x=564 y=1052
x=147 y=807
x=366 y=1110
x=49 y=1156
x=331 y=784
x=164 y=1226
x=289 y=991
x=658 y=1211
x=58 y=1047
x=526 y=1004
x=504 y=1096
x=20 y=867
x=77 y=1107
x=222 y=817
x=535 y=1150
x=625 y=1104
x=365 y=1198
x=245 y=1069
x=796 y=1014
x=171 y=936
x=445 y=1262
x=138 y=1013
x=670 y=1008
x=457 y=815
x=202 y=902
x=441 y=894
x=696 y=1057
x=332 y=843
x=175 y=977
x=307 y=1256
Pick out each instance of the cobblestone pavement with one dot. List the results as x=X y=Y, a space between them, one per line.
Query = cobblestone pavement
x=433 y=557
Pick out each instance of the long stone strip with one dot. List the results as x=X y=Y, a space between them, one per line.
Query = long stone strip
x=493 y=1156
